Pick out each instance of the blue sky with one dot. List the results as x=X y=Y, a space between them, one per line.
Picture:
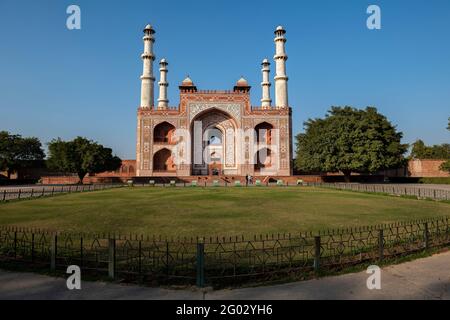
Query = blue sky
x=60 y=83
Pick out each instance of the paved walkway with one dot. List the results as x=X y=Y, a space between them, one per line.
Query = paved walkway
x=427 y=278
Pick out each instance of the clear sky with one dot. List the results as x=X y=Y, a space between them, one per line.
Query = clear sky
x=60 y=83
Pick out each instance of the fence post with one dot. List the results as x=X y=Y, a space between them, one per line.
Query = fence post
x=81 y=252
x=426 y=236
x=32 y=189
x=32 y=248
x=140 y=258
x=317 y=253
x=200 y=263
x=112 y=258
x=54 y=252
x=19 y=193
x=15 y=244
x=380 y=244
x=4 y=195
x=167 y=260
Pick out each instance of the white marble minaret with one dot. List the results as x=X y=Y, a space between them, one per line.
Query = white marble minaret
x=163 y=102
x=265 y=101
x=281 y=93
x=147 y=79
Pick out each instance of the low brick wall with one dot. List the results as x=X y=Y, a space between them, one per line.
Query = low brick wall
x=86 y=180
x=426 y=168
x=123 y=179
x=59 y=180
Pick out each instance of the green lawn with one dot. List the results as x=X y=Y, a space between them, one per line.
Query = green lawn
x=214 y=211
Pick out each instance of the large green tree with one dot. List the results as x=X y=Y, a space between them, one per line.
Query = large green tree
x=349 y=140
x=17 y=152
x=81 y=156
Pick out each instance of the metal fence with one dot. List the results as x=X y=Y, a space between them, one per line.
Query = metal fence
x=416 y=191
x=11 y=193
x=218 y=261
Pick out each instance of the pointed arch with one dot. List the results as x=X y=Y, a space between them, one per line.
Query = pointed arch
x=264 y=133
x=163 y=161
x=164 y=133
x=264 y=159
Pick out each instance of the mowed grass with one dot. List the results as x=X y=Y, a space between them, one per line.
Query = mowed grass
x=214 y=211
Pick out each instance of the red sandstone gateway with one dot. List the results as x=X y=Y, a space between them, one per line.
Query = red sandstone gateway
x=213 y=132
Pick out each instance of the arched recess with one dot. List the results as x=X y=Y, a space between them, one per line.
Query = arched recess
x=214 y=145
x=264 y=132
x=164 y=133
x=264 y=159
x=163 y=161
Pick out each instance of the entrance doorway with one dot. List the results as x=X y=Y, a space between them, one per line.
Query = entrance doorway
x=215 y=153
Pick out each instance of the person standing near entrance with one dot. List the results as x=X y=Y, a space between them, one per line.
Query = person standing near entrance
x=246 y=180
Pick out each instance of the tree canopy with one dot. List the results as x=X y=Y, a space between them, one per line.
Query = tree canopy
x=81 y=156
x=421 y=151
x=17 y=152
x=349 y=140
x=446 y=165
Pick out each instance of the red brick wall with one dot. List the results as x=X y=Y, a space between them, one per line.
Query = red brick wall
x=125 y=172
x=128 y=169
x=416 y=168
x=426 y=168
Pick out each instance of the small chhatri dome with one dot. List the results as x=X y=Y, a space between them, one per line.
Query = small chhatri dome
x=265 y=61
x=187 y=82
x=242 y=82
x=163 y=60
x=242 y=86
x=187 y=85
x=279 y=28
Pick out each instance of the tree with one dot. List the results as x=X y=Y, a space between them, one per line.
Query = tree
x=17 y=152
x=349 y=140
x=446 y=165
x=81 y=156
x=421 y=151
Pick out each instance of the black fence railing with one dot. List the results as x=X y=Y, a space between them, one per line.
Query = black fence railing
x=218 y=261
x=11 y=193
x=430 y=192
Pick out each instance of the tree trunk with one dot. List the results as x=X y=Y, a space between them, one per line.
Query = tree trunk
x=9 y=173
x=347 y=175
x=81 y=177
